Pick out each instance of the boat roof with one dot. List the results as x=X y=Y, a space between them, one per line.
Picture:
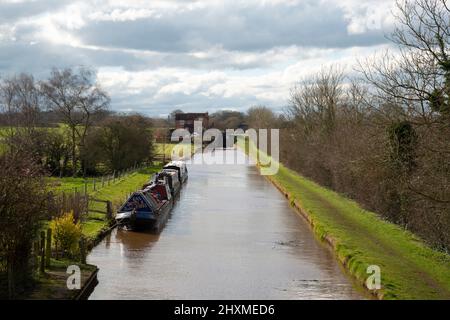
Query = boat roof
x=142 y=198
x=179 y=164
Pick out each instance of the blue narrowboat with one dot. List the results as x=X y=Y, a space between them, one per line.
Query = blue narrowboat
x=150 y=207
x=147 y=208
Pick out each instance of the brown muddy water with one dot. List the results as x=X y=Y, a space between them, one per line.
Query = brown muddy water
x=231 y=235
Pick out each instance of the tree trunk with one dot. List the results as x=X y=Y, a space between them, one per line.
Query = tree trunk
x=74 y=160
x=11 y=284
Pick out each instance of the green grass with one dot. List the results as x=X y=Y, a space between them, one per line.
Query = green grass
x=410 y=269
x=69 y=184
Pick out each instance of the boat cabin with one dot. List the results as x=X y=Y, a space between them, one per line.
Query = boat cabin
x=179 y=166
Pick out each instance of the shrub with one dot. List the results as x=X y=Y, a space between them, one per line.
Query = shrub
x=66 y=234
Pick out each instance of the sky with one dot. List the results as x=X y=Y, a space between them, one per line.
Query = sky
x=154 y=56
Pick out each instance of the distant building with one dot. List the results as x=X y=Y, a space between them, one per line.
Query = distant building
x=186 y=120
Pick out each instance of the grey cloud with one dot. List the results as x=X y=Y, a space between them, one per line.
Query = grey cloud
x=249 y=29
x=12 y=11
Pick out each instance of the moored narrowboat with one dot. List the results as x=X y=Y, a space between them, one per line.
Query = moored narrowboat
x=147 y=208
x=172 y=180
x=179 y=166
x=150 y=207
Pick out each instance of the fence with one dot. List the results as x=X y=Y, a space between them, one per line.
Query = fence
x=108 y=208
x=95 y=184
x=78 y=198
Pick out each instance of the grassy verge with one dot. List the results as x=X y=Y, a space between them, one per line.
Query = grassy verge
x=409 y=268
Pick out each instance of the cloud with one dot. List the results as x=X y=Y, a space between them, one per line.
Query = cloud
x=231 y=25
x=158 y=91
x=153 y=56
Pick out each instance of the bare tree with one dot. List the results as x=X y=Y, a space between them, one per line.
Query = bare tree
x=417 y=75
x=172 y=115
x=21 y=101
x=314 y=101
x=414 y=84
x=76 y=98
x=261 y=117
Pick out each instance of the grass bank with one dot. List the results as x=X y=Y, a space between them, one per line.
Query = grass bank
x=410 y=269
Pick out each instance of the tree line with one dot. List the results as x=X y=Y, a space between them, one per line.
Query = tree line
x=65 y=123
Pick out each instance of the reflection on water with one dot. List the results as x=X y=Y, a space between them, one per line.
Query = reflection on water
x=231 y=235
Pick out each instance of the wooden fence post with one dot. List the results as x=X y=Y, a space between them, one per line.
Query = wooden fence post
x=85 y=187
x=103 y=181
x=36 y=254
x=83 y=250
x=109 y=212
x=94 y=185
x=87 y=204
x=42 y=248
x=48 y=248
x=63 y=204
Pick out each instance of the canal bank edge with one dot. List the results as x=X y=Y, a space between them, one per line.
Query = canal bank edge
x=410 y=269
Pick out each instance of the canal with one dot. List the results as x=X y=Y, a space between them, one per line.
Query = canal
x=231 y=235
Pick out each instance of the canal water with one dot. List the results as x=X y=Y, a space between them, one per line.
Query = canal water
x=231 y=235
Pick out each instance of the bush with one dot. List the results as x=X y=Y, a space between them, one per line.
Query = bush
x=66 y=234
x=23 y=200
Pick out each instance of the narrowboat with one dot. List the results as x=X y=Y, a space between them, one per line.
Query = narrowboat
x=147 y=208
x=179 y=166
x=172 y=180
